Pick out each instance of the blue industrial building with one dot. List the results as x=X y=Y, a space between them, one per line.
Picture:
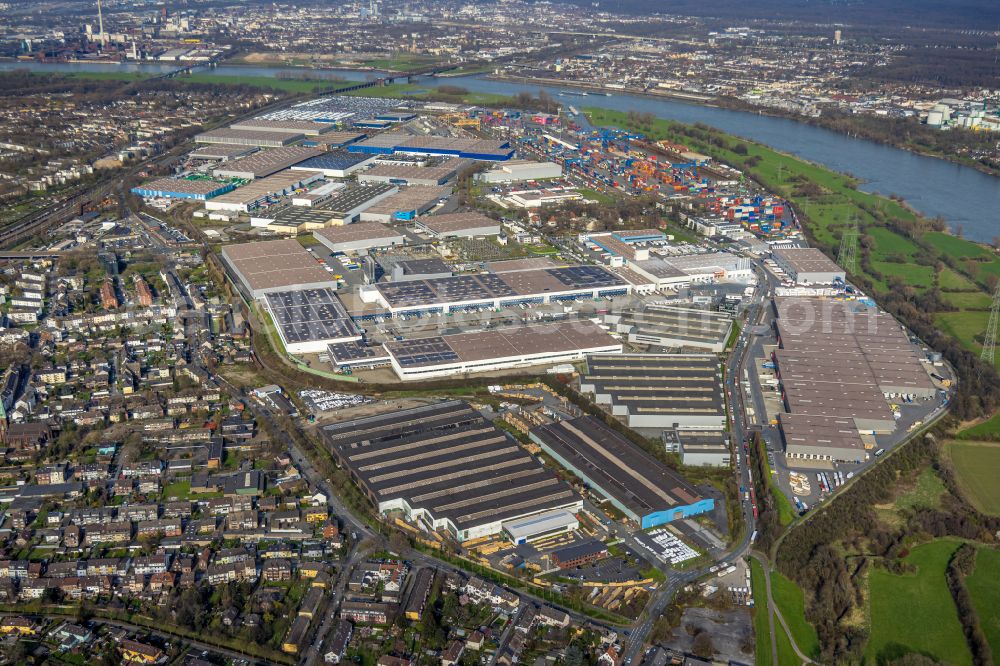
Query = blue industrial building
x=177 y=188
x=638 y=485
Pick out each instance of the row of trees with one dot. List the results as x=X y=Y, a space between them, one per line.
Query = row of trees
x=962 y=565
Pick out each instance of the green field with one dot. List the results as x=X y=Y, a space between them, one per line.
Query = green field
x=964 y=326
x=890 y=244
x=956 y=247
x=977 y=469
x=914 y=275
x=761 y=615
x=926 y=491
x=967 y=300
x=949 y=279
x=915 y=612
x=790 y=601
x=988 y=429
x=984 y=586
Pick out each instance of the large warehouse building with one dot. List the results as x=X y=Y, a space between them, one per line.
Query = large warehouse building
x=502 y=349
x=388 y=143
x=335 y=164
x=309 y=320
x=517 y=171
x=265 y=162
x=405 y=174
x=661 y=391
x=273 y=266
x=495 y=290
x=262 y=191
x=644 y=489
x=459 y=225
x=358 y=237
x=845 y=360
x=674 y=327
x=246 y=137
x=302 y=127
x=445 y=468
x=807 y=265
x=179 y=188
x=407 y=204
x=840 y=364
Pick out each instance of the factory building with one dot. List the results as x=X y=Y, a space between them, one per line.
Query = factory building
x=262 y=191
x=517 y=171
x=335 y=163
x=179 y=188
x=661 y=391
x=388 y=143
x=459 y=225
x=644 y=489
x=446 y=468
x=358 y=237
x=540 y=526
x=407 y=204
x=273 y=266
x=495 y=290
x=309 y=320
x=698 y=448
x=502 y=349
x=807 y=265
x=408 y=174
x=239 y=137
x=673 y=326
x=263 y=163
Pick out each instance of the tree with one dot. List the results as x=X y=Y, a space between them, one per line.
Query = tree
x=702 y=645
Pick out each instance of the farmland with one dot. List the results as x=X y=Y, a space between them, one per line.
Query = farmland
x=915 y=612
x=977 y=468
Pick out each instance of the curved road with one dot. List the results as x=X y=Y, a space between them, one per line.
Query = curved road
x=775 y=612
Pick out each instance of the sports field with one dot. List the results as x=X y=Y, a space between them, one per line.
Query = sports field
x=977 y=467
x=915 y=612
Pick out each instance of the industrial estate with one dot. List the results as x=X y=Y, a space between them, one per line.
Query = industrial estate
x=360 y=372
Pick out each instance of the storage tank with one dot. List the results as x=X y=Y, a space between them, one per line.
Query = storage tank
x=935 y=118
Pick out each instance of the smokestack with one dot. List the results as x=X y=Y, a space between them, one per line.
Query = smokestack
x=100 y=22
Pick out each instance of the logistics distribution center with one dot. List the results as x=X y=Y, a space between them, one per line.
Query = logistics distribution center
x=269 y=266
x=674 y=326
x=388 y=143
x=647 y=491
x=661 y=391
x=502 y=349
x=495 y=290
x=448 y=469
x=840 y=363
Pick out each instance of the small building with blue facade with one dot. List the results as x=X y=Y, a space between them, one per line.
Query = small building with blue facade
x=638 y=485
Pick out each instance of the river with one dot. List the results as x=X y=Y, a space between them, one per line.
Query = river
x=965 y=198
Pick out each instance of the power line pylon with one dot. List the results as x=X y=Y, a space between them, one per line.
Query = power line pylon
x=990 y=341
x=847 y=257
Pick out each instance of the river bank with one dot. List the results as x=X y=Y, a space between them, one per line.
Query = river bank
x=734 y=104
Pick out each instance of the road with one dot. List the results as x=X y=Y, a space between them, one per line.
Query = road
x=776 y=613
x=665 y=593
x=159 y=633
